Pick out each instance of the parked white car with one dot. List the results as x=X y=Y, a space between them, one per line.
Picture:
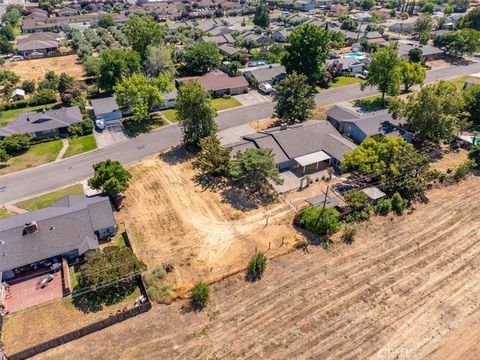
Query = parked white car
x=100 y=124
x=265 y=88
x=17 y=58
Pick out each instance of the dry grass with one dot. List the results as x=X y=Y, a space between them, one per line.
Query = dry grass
x=37 y=68
x=407 y=288
x=34 y=325
x=170 y=218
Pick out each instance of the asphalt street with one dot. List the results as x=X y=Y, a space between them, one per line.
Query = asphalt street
x=30 y=182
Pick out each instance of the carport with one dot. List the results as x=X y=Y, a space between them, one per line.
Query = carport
x=313 y=162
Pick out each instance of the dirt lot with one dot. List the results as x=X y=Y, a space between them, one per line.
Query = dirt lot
x=407 y=288
x=170 y=218
x=37 y=68
x=44 y=322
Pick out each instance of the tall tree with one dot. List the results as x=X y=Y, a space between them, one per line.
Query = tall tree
x=8 y=78
x=142 y=32
x=308 y=50
x=433 y=113
x=472 y=19
x=201 y=58
x=412 y=73
x=384 y=71
x=293 y=99
x=110 y=177
x=459 y=42
x=261 y=17
x=141 y=95
x=105 y=21
x=195 y=113
x=472 y=102
x=254 y=168
x=159 y=60
x=212 y=158
x=116 y=64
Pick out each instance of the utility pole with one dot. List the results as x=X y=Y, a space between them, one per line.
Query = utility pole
x=325 y=200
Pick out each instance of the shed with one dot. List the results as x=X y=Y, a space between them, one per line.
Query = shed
x=374 y=193
x=321 y=199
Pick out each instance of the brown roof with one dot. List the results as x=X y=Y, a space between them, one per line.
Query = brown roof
x=214 y=81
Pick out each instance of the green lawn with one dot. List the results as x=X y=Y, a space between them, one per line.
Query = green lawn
x=223 y=104
x=218 y=104
x=4 y=213
x=134 y=128
x=342 y=81
x=46 y=200
x=37 y=155
x=80 y=145
x=459 y=82
x=10 y=115
x=170 y=114
x=371 y=103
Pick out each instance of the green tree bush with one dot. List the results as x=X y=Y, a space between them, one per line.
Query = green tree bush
x=199 y=295
x=256 y=266
x=110 y=177
x=322 y=222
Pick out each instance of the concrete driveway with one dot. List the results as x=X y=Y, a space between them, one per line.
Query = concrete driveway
x=113 y=133
x=253 y=97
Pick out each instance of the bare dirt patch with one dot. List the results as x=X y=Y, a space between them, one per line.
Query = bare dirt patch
x=44 y=322
x=407 y=288
x=36 y=69
x=450 y=160
x=170 y=218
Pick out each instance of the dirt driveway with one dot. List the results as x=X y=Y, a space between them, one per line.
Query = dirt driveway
x=407 y=288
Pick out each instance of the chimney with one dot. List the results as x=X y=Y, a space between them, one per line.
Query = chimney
x=28 y=119
x=30 y=228
x=283 y=126
x=44 y=111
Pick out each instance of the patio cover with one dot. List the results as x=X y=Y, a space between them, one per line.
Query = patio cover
x=312 y=158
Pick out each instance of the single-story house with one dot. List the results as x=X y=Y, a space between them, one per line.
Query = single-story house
x=106 y=109
x=43 y=43
x=219 y=39
x=264 y=74
x=229 y=50
x=305 y=5
x=308 y=147
x=18 y=94
x=259 y=39
x=351 y=65
x=280 y=35
x=428 y=52
x=358 y=125
x=169 y=99
x=69 y=228
x=218 y=83
x=338 y=10
x=44 y=124
x=66 y=11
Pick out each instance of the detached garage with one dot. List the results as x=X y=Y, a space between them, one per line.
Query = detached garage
x=106 y=109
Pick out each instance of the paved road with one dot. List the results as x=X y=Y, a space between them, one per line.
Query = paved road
x=51 y=176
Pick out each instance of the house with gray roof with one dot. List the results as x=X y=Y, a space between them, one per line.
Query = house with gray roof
x=44 y=124
x=264 y=74
x=359 y=125
x=106 y=109
x=308 y=147
x=69 y=228
x=42 y=43
x=428 y=52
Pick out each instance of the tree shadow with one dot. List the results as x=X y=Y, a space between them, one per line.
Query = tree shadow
x=176 y=155
x=135 y=128
x=94 y=301
x=242 y=200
